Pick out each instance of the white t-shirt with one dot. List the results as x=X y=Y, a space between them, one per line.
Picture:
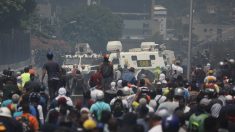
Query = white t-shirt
x=124 y=102
x=157 y=128
x=94 y=92
x=178 y=69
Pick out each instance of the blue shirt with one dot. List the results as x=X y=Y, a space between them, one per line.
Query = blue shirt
x=129 y=76
x=18 y=113
x=98 y=107
x=5 y=103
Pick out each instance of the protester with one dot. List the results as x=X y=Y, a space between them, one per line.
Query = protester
x=170 y=103
x=53 y=71
x=106 y=69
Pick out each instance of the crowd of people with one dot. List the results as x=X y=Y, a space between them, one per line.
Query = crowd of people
x=118 y=101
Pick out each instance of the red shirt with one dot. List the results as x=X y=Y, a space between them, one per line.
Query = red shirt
x=96 y=78
x=33 y=121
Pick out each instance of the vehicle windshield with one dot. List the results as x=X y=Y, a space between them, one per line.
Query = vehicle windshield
x=91 y=61
x=71 y=61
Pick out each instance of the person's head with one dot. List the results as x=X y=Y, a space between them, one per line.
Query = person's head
x=50 y=56
x=113 y=85
x=106 y=58
x=100 y=96
x=89 y=125
x=120 y=93
x=26 y=70
x=154 y=120
x=25 y=108
x=53 y=116
x=124 y=83
x=119 y=83
x=177 y=62
x=62 y=91
x=178 y=93
x=34 y=98
x=15 y=98
x=126 y=91
x=210 y=72
x=132 y=69
x=129 y=119
x=62 y=101
x=171 y=124
x=75 y=66
x=143 y=111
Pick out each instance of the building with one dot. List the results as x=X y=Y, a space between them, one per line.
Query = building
x=159 y=14
x=139 y=29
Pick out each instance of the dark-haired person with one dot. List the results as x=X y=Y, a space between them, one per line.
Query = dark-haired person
x=52 y=69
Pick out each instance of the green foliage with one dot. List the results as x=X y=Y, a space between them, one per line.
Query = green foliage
x=14 y=12
x=92 y=24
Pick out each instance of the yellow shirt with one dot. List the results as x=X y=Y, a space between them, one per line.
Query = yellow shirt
x=25 y=77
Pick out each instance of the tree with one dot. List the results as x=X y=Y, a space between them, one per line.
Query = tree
x=14 y=12
x=92 y=24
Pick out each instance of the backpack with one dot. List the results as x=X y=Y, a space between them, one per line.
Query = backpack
x=196 y=122
x=106 y=70
x=25 y=124
x=118 y=108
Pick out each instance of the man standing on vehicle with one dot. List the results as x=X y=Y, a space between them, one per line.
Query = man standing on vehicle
x=106 y=70
x=53 y=71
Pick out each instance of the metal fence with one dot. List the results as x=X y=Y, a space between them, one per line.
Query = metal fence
x=14 y=47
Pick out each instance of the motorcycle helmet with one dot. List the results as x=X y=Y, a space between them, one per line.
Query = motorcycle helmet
x=179 y=92
x=171 y=124
x=100 y=95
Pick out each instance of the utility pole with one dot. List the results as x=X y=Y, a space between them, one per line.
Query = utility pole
x=190 y=40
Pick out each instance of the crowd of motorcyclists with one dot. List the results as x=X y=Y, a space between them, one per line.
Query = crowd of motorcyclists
x=118 y=100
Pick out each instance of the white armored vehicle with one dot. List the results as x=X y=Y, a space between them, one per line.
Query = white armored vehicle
x=147 y=57
x=84 y=58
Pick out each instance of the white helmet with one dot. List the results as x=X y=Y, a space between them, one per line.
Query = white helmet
x=113 y=85
x=5 y=112
x=179 y=92
x=126 y=90
x=100 y=95
x=62 y=91
x=221 y=63
x=163 y=113
x=231 y=60
x=119 y=83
